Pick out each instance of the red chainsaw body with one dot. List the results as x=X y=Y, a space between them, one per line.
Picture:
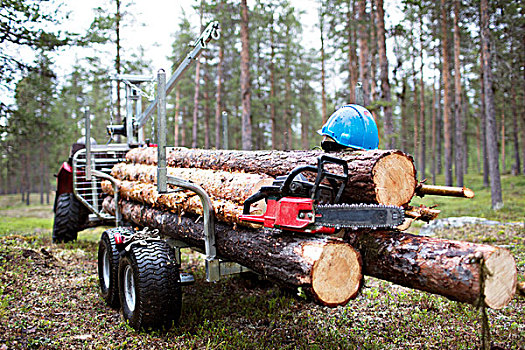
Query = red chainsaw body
x=289 y=213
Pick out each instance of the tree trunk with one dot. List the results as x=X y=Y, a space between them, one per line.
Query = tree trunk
x=246 y=130
x=218 y=99
x=117 y=62
x=324 y=115
x=388 y=134
x=446 y=94
x=206 y=111
x=377 y=176
x=492 y=142
x=404 y=129
x=503 y=141
x=352 y=55
x=176 y=116
x=515 y=131
x=422 y=143
x=434 y=130
x=483 y=122
x=461 y=271
x=363 y=52
x=439 y=129
x=273 y=118
x=326 y=268
x=194 y=134
x=458 y=116
x=416 y=104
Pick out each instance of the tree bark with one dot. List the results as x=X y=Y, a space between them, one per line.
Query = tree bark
x=195 y=126
x=376 y=176
x=416 y=104
x=246 y=131
x=388 y=134
x=324 y=115
x=483 y=122
x=404 y=128
x=117 y=62
x=206 y=111
x=458 y=116
x=218 y=99
x=503 y=143
x=176 y=116
x=423 y=136
x=273 y=118
x=326 y=268
x=446 y=94
x=364 y=74
x=434 y=130
x=232 y=186
x=461 y=271
x=515 y=131
x=352 y=55
x=492 y=142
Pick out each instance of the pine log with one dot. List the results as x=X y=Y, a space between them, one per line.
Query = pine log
x=461 y=271
x=180 y=202
x=326 y=268
x=448 y=191
x=376 y=176
x=235 y=187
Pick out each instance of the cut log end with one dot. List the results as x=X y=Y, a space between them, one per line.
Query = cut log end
x=468 y=192
x=337 y=274
x=500 y=279
x=394 y=172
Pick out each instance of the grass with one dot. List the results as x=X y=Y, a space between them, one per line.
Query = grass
x=513 y=188
x=49 y=297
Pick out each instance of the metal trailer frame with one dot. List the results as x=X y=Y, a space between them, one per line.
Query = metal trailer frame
x=91 y=166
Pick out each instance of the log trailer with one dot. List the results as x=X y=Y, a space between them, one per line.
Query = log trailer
x=139 y=259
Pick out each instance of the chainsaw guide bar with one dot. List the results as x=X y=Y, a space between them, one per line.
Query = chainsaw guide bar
x=359 y=215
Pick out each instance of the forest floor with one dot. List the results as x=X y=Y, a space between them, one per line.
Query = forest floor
x=49 y=299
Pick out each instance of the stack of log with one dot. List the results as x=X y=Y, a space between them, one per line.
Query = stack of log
x=330 y=269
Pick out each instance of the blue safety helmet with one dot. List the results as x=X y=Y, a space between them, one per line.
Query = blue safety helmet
x=352 y=126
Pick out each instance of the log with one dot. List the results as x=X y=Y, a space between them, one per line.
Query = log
x=235 y=187
x=448 y=191
x=326 y=268
x=461 y=271
x=178 y=202
x=376 y=176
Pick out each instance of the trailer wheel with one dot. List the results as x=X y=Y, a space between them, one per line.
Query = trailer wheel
x=150 y=291
x=69 y=217
x=108 y=260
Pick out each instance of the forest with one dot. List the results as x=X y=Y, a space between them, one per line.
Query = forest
x=445 y=81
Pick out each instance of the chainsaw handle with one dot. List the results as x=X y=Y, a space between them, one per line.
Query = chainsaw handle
x=263 y=193
x=285 y=188
x=321 y=174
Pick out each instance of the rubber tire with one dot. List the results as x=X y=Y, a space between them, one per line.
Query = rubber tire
x=69 y=217
x=107 y=244
x=157 y=289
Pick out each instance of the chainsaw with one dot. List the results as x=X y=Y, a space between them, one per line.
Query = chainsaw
x=295 y=204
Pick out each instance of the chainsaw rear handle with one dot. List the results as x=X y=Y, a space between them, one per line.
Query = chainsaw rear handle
x=321 y=174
